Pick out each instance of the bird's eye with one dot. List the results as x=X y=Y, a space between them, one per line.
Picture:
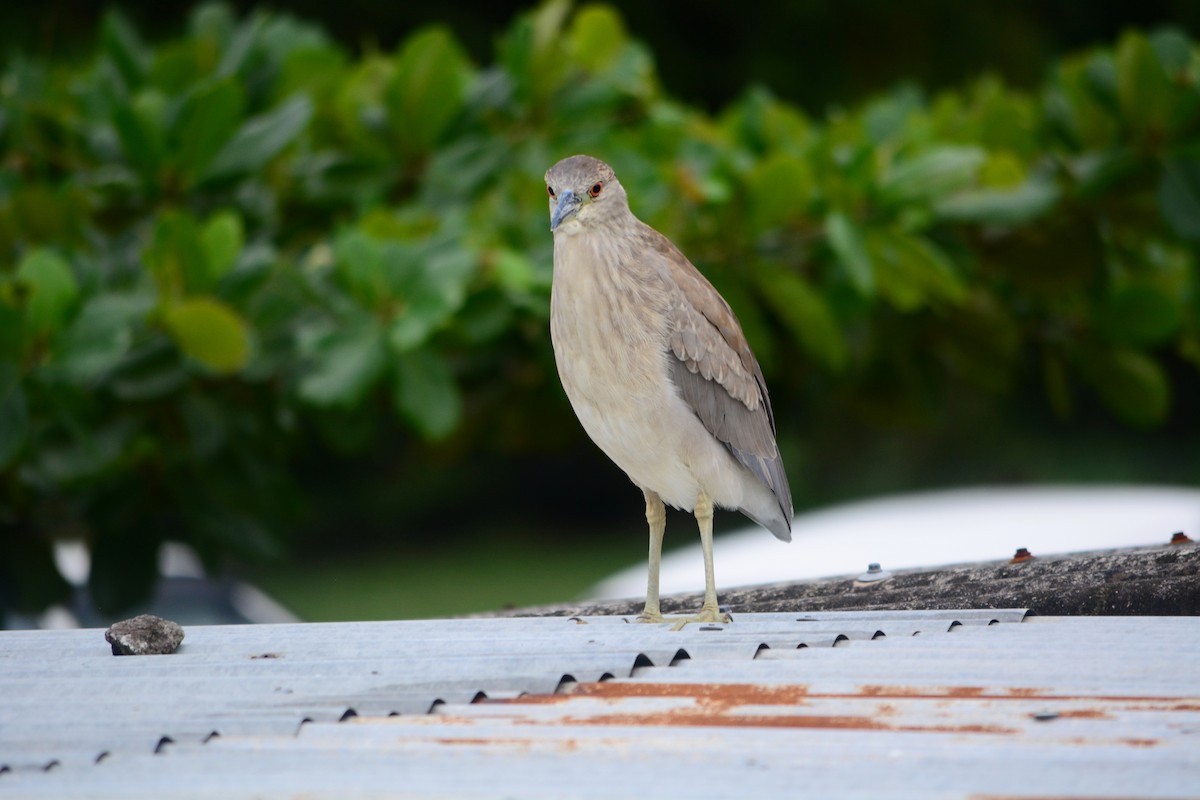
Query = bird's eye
x=550 y=191
x=596 y=189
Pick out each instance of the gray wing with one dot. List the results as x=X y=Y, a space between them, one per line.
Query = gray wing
x=718 y=376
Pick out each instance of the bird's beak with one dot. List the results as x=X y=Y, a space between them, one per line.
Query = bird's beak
x=568 y=204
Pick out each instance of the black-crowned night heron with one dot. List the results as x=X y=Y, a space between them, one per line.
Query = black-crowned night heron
x=658 y=371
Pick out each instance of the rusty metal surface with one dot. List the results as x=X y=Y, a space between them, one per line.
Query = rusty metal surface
x=906 y=705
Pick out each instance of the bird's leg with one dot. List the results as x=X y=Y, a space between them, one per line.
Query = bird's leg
x=709 y=612
x=656 y=518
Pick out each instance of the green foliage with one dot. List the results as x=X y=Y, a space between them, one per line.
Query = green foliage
x=217 y=250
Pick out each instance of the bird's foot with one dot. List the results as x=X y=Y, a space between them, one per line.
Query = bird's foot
x=709 y=614
x=706 y=614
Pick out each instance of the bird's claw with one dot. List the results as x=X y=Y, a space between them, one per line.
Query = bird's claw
x=705 y=615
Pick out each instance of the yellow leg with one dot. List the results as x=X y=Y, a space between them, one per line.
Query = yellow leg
x=710 y=611
x=656 y=519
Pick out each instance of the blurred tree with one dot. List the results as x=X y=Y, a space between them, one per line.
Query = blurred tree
x=251 y=282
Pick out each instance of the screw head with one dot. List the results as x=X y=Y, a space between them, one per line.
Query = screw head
x=874 y=574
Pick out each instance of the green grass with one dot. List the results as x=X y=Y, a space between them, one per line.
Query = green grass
x=489 y=574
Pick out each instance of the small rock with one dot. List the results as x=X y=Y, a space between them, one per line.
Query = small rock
x=145 y=635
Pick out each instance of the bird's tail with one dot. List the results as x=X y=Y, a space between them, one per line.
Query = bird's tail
x=772 y=506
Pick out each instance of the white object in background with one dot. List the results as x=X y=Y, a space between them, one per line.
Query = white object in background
x=924 y=530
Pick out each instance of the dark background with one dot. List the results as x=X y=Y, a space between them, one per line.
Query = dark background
x=815 y=54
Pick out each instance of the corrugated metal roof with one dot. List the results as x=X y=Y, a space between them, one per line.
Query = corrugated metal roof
x=910 y=704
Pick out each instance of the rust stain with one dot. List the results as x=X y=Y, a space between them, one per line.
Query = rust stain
x=728 y=695
x=530 y=699
x=1140 y=742
x=480 y=741
x=523 y=745
x=940 y=693
x=706 y=718
x=713 y=702
x=568 y=745
x=1084 y=713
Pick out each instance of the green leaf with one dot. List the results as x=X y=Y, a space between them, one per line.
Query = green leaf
x=90 y=453
x=222 y=238
x=347 y=363
x=140 y=129
x=99 y=337
x=1173 y=48
x=1132 y=384
x=531 y=52
x=765 y=123
x=427 y=90
x=213 y=21
x=150 y=370
x=431 y=286
x=780 y=188
x=887 y=116
x=426 y=395
x=210 y=332
x=513 y=270
x=912 y=272
x=805 y=313
x=1143 y=87
x=1082 y=111
x=176 y=257
x=848 y=244
x=1032 y=199
x=409 y=330
x=596 y=36
x=52 y=290
x=1002 y=170
x=1179 y=196
x=359 y=263
x=318 y=70
x=240 y=45
x=12 y=325
x=260 y=139
x=359 y=110
x=1139 y=314
x=1098 y=172
x=14 y=414
x=932 y=173
x=208 y=120
x=124 y=48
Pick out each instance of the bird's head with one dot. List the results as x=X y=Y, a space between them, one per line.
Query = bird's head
x=583 y=190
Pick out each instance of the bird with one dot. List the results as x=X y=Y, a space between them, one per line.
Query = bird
x=657 y=369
